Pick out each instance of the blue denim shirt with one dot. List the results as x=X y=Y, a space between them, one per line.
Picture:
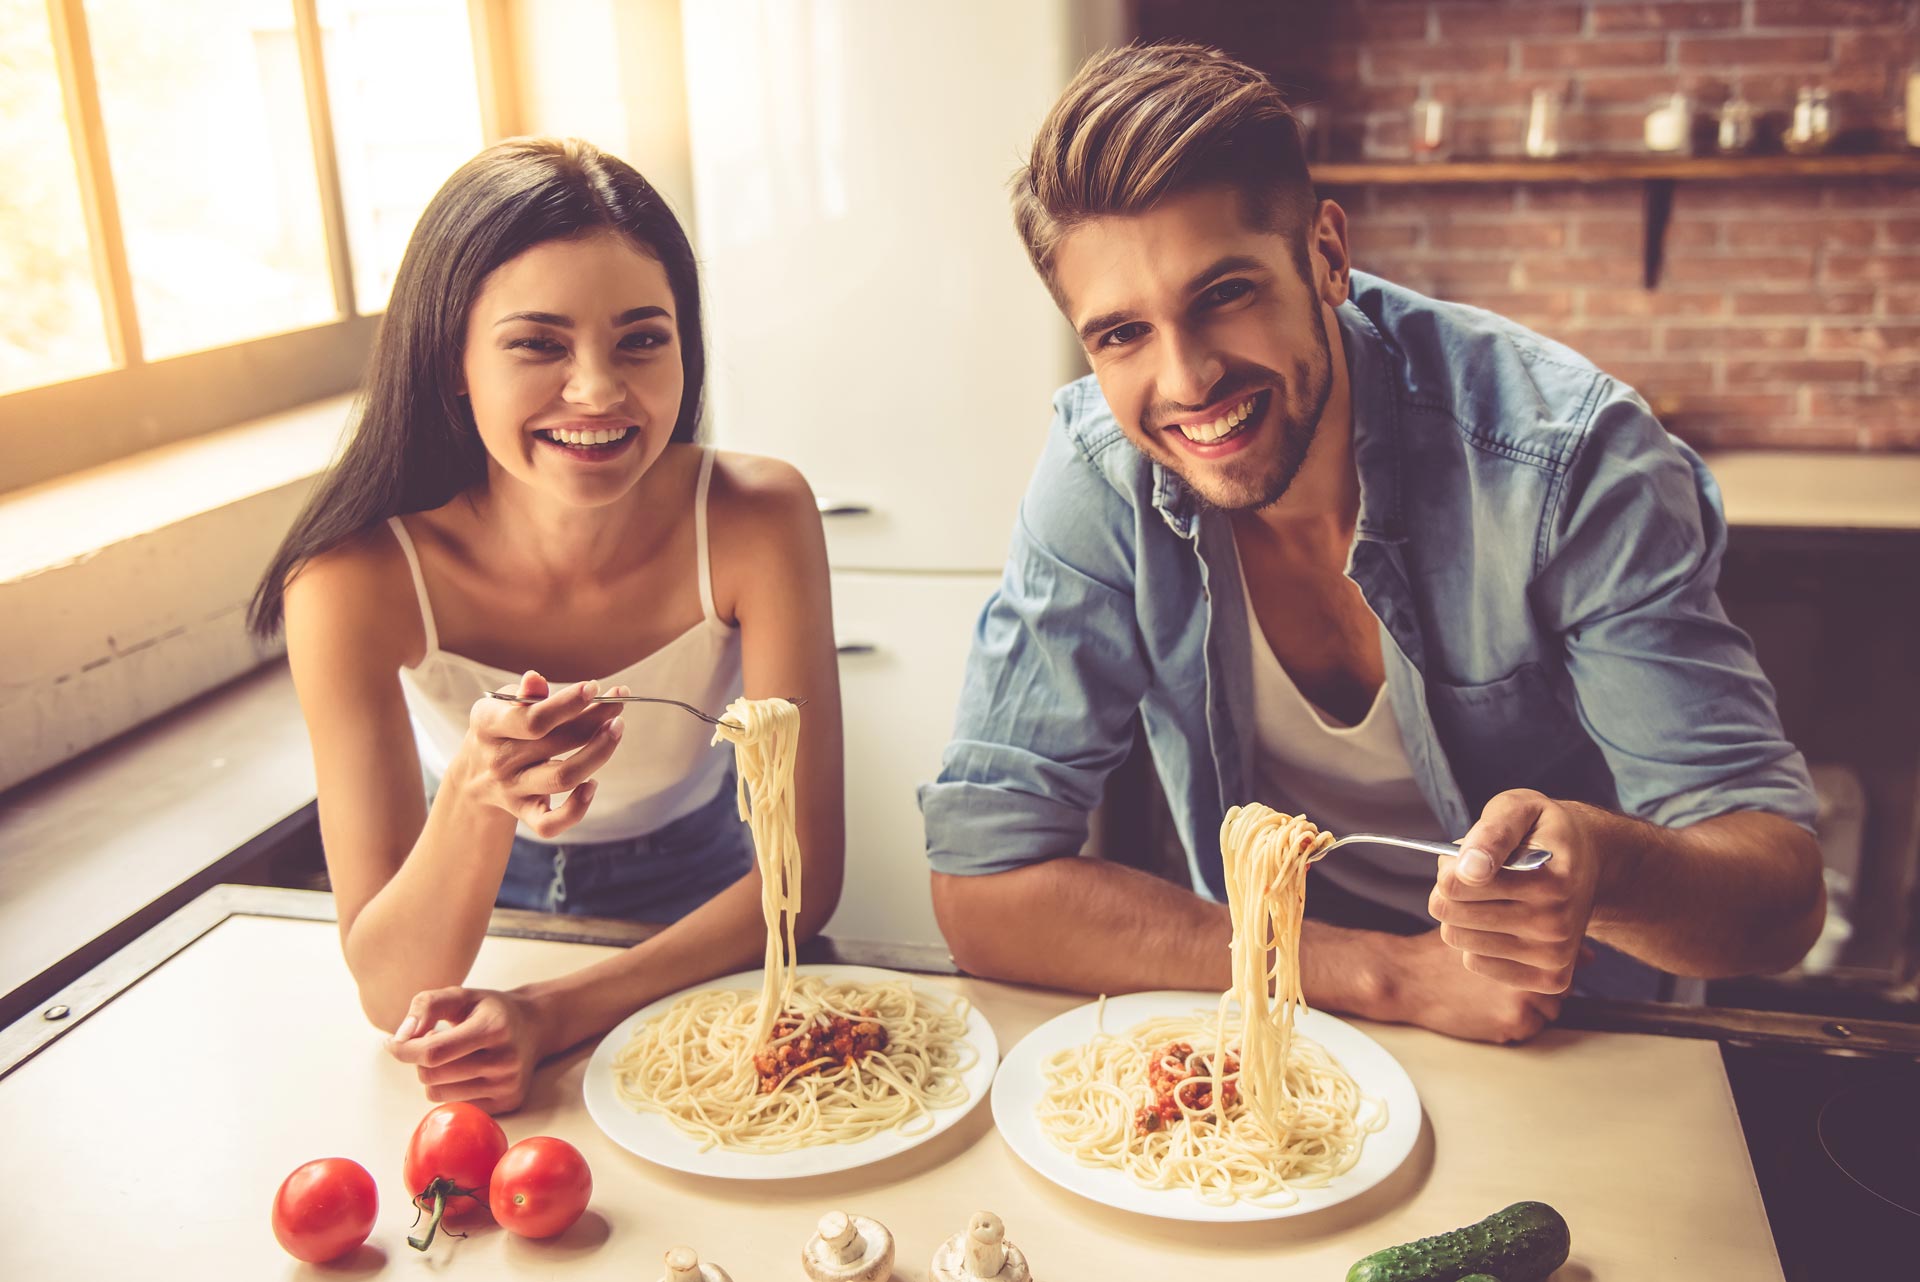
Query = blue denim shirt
x=1541 y=556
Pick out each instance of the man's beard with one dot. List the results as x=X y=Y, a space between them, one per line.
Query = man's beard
x=1298 y=403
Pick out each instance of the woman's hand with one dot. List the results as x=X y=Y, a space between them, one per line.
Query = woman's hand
x=487 y=1055
x=509 y=757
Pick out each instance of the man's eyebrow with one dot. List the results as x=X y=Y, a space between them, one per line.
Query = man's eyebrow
x=1212 y=272
x=627 y=317
x=1105 y=320
x=1224 y=267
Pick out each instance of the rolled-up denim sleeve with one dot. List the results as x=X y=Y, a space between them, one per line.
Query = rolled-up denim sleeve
x=1054 y=675
x=1665 y=683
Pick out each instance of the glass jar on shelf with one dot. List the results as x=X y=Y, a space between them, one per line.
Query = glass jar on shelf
x=1544 y=139
x=1811 y=128
x=1734 y=130
x=1913 y=105
x=1669 y=125
x=1427 y=132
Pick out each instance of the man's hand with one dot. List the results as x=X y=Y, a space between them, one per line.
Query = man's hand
x=1524 y=929
x=487 y=1052
x=1428 y=986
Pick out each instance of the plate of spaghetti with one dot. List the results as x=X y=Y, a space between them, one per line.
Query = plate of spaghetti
x=789 y=1070
x=1243 y=1105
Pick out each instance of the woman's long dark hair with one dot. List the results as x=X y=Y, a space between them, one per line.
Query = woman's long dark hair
x=415 y=446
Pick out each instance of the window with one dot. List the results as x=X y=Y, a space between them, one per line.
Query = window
x=206 y=206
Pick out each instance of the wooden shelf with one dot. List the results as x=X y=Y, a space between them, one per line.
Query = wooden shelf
x=1603 y=169
x=1658 y=173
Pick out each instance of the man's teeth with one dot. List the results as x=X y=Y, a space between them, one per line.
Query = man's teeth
x=1203 y=433
x=568 y=436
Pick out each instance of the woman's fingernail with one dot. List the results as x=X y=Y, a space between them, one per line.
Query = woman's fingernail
x=1476 y=864
x=406 y=1028
x=589 y=688
x=617 y=727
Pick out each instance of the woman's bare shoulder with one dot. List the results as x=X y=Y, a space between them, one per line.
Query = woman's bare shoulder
x=358 y=595
x=758 y=489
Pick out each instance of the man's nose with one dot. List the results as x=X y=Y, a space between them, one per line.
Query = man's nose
x=1190 y=370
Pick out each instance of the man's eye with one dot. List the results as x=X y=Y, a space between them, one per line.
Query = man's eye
x=1228 y=290
x=1123 y=335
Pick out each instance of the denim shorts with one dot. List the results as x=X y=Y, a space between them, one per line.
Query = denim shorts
x=659 y=877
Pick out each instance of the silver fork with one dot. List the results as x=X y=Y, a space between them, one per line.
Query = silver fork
x=1518 y=861
x=707 y=717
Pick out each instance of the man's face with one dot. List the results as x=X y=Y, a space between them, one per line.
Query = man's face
x=1206 y=339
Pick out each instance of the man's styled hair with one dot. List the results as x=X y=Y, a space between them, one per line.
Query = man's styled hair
x=1148 y=121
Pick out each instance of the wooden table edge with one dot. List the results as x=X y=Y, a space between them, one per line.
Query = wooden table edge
x=73 y=1004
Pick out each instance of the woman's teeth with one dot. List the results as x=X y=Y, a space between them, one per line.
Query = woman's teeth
x=1206 y=433
x=568 y=436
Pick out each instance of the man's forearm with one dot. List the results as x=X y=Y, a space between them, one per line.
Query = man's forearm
x=1736 y=894
x=1089 y=926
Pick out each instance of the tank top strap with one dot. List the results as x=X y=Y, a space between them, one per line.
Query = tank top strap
x=405 y=541
x=700 y=537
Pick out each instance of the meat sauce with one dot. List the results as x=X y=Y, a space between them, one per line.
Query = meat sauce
x=1178 y=1076
x=829 y=1042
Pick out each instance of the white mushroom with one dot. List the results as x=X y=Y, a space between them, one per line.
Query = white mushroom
x=980 y=1252
x=684 y=1266
x=849 y=1248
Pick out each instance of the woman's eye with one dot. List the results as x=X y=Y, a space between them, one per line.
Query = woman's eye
x=1123 y=335
x=544 y=346
x=642 y=341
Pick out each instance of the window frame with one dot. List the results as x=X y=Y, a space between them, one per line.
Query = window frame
x=59 y=428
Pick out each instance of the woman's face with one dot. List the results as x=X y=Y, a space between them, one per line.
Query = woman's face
x=572 y=366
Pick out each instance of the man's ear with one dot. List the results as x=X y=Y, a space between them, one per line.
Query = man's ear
x=1327 y=250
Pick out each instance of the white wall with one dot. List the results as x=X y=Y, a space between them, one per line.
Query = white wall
x=608 y=71
x=123 y=590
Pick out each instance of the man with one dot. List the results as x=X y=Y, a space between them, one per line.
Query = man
x=1399 y=565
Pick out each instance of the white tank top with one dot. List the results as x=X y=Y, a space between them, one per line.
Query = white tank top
x=665 y=766
x=1346 y=779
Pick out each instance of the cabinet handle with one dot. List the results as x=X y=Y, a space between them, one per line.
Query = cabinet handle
x=856 y=647
x=838 y=507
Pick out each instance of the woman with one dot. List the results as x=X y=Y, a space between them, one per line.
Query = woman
x=523 y=508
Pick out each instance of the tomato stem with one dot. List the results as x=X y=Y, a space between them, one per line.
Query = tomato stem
x=439 y=1190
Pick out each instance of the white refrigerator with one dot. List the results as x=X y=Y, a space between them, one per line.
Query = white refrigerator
x=871 y=317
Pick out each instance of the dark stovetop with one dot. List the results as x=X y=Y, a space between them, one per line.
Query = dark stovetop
x=1826 y=1225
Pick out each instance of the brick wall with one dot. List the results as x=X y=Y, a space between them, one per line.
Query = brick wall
x=1788 y=313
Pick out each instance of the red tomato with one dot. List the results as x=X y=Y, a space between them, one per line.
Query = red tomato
x=540 y=1187
x=325 y=1209
x=450 y=1162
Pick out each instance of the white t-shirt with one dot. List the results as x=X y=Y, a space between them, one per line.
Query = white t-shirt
x=1346 y=779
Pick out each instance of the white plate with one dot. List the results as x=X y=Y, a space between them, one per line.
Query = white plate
x=652 y=1136
x=1022 y=1081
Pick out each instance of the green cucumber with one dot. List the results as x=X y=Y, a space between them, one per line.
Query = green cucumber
x=1524 y=1243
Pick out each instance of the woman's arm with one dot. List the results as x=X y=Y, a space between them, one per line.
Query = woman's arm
x=769 y=561
x=413 y=889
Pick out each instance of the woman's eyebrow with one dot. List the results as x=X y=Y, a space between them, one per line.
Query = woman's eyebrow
x=627 y=317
